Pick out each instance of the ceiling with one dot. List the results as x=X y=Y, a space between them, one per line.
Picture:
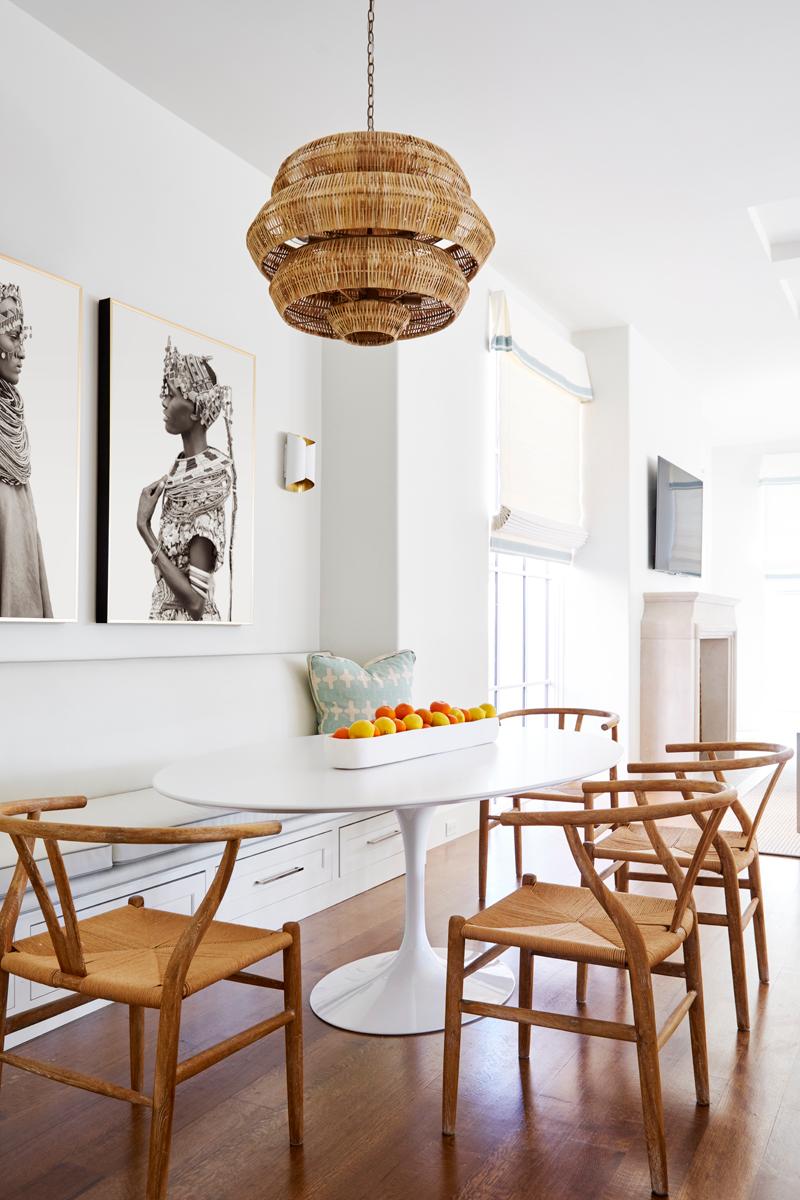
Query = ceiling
x=616 y=146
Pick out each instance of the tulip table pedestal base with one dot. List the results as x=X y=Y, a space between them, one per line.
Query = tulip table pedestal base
x=403 y=991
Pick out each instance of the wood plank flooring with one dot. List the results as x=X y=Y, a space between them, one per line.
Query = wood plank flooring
x=565 y=1126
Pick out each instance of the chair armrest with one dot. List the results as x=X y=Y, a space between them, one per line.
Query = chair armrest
x=20 y=808
x=116 y=835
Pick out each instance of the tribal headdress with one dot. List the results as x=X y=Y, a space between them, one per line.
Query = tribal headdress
x=13 y=322
x=192 y=374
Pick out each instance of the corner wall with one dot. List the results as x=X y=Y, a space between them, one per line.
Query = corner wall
x=359 y=579
x=408 y=471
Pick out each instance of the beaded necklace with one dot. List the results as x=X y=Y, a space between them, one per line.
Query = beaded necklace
x=15 y=451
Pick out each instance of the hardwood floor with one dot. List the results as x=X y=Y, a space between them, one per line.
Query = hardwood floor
x=566 y=1125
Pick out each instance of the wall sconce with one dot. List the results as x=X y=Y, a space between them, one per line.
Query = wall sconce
x=299 y=463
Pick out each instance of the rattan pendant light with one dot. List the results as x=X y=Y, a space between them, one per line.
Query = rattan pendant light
x=370 y=237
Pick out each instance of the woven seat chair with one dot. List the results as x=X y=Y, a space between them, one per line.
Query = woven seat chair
x=592 y=924
x=733 y=851
x=145 y=959
x=571 y=792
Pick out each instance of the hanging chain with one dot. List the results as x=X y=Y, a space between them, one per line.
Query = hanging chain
x=371 y=66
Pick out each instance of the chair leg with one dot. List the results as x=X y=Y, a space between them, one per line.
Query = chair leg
x=697 y=1017
x=736 y=943
x=163 y=1099
x=759 y=920
x=621 y=882
x=452 y=1023
x=483 y=848
x=293 y=999
x=581 y=983
x=4 y=977
x=518 y=840
x=525 y=999
x=136 y=1030
x=650 y=1077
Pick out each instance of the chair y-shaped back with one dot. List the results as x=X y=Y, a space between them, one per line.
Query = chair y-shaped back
x=732 y=852
x=75 y=955
x=630 y=932
x=574 y=717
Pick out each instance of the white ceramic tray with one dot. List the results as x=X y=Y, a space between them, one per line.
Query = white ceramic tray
x=353 y=753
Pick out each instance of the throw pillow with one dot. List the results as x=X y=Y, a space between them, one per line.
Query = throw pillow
x=344 y=691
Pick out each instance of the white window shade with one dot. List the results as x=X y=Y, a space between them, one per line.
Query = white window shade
x=542 y=386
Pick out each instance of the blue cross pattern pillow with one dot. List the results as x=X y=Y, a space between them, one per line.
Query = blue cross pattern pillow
x=344 y=692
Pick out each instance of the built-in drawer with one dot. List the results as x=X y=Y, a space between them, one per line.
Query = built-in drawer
x=369 y=841
x=270 y=876
x=177 y=896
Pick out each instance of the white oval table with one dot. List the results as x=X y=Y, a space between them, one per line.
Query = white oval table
x=401 y=992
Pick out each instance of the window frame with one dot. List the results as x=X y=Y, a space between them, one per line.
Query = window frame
x=553 y=575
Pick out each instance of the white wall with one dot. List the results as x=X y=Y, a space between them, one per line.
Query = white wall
x=665 y=419
x=359 y=573
x=598 y=601
x=446 y=430
x=738 y=570
x=642 y=409
x=105 y=187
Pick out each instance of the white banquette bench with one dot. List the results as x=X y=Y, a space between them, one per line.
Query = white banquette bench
x=102 y=728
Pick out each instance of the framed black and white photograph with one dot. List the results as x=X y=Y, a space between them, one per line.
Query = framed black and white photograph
x=175 y=473
x=40 y=356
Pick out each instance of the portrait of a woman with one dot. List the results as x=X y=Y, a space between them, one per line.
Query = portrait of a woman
x=192 y=537
x=24 y=592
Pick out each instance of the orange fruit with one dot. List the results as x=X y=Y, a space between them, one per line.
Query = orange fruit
x=452 y=718
x=458 y=713
x=344 y=732
x=413 y=721
x=440 y=706
x=425 y=713
x=400 y=726
x=477 y=714
x=385 y=725
x=384 y=711
x=439 y=718
x=489 y=709
x=403 y=710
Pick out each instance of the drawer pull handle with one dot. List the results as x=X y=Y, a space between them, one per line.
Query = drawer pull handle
x=280 y=875
x=385 y=837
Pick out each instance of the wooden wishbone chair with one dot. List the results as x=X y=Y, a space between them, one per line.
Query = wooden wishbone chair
x=732 y=853
x=572 y=792
x=631 y=932
x=145 y=959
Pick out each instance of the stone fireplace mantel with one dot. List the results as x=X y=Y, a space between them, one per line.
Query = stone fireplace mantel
x=688 y=670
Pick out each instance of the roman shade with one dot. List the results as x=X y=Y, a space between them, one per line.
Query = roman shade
x=543 y=381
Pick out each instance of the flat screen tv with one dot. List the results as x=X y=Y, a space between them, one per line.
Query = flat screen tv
x=679 y=521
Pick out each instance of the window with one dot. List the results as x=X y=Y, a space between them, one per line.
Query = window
x=542 y=384
x=525 y=629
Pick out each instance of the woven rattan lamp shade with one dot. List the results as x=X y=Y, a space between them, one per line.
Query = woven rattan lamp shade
x=370 y=237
